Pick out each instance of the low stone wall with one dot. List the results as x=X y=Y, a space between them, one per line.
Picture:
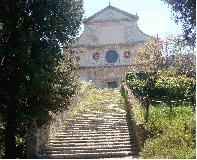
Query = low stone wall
x=140 y=133
x=38 y=137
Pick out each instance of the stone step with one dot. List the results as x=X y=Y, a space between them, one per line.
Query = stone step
x=97 y=112
x=56 y=148
x=92 y=135
x=85 y=144
x=91 y=140
x=82 y=150
x=122 y=114
x=109 y=124
x=95 y=134
x=85 y=123
x=95 y=131
x=89 y=155
x=92 y=131
x=103 y=137
x=89 y=144
x=89 y=128
x=94 y=127
x=96 y=119
x=88 y=116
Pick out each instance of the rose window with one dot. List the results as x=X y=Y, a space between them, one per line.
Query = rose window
x=111 y=56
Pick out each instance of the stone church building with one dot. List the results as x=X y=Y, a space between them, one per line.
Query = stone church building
x=107 y=47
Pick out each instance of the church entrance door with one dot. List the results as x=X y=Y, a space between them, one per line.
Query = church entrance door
x=112 y=84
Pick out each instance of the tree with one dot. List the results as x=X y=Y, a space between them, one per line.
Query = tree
x=149 y=56
x=185 y=11
x=171 y=53
x=32 y=83
x=179 y=55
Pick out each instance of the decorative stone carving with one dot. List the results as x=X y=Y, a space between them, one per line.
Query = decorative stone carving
x=127 y=54
x=110 y=14
x=91 y=35
x=96 y=56
x=129 y=34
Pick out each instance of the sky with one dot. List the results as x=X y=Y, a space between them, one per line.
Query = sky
x=154 y=15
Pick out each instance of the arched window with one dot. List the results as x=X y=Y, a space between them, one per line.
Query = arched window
x=111 y=56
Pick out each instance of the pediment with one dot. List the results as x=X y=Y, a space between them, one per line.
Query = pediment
x=111 y=13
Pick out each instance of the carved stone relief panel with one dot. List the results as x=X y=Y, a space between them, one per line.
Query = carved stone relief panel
x=110 y=14
x=91 y=35
x=129 y=34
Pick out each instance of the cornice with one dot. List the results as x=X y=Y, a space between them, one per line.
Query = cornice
x=108 y=45
x=110 y=20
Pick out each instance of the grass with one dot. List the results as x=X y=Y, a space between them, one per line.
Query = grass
x=138 y=112
x=173 y=133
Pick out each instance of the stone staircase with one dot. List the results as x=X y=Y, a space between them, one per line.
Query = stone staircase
x=95 y=134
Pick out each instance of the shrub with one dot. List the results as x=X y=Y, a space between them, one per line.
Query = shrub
x=161 y=84
x=141 y=83
x=178 y=86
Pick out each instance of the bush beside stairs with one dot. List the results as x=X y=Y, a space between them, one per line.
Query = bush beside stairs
x=96 y=128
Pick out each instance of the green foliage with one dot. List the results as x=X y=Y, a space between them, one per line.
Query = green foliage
x=161 y=84
x=141 y=82
x=178 y=86
x=173 y=133
x=149 y=57
x=82 y=85
x=20 y=143
x=135 y=111
x=166 y=69
x=185 y=12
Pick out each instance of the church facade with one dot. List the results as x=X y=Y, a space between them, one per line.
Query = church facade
x=107 y=47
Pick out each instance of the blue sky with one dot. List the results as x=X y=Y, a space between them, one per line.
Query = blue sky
x=154 y=15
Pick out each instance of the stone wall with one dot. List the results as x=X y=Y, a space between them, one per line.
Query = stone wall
x=102 y=75
x=94 y=66
x=38 y=137
x=141 y=133
x=95 y=56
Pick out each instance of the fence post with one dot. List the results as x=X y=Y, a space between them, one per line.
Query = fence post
x=169 y=99
x=193 y=102
x=146 y=105
x=169 y=102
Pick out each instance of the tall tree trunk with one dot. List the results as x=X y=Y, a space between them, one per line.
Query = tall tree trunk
x=10 y=144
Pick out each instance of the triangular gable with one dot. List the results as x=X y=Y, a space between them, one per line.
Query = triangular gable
x=110 y=12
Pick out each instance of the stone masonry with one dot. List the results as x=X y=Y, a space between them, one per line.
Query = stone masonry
x=97 y=133
x=107 y=47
